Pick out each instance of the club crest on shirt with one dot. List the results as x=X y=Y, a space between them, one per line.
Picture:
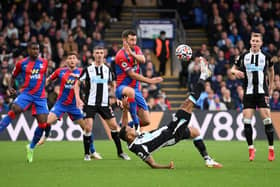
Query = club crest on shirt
x=124 y=64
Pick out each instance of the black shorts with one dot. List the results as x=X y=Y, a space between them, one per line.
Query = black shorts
x=178 y=127
x=105 y=112
x=256 y=100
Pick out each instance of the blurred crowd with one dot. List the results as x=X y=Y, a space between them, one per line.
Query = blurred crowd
x=60 y=27
x=229 y=25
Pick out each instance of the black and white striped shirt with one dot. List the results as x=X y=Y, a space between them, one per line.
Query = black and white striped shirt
x=97 y=79
x=255 y=67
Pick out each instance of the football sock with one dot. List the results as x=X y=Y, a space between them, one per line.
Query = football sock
x=199 y=87
x=131 y=124
x=48 y=130
x=87 y=142
x=37 y=136
x=248 y=130
x=200 y=146
x=269 y=131
x=115 y=137
x=92 y=147
x=133 y=112
x=7 y=120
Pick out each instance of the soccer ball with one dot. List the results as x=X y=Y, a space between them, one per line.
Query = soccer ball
x=184 y=52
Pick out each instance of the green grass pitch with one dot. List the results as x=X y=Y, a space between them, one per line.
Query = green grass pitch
x=61 y=164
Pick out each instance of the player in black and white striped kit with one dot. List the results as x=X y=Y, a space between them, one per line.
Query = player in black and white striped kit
x=144 y=144
x=97 y=78
x=256 y=69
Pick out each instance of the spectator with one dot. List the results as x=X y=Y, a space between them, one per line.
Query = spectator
x=162 y=51
x=70 y=45
x=228 y=101
x=3 y=106
x=217 y=105
x=160 y=104
x=275 y=101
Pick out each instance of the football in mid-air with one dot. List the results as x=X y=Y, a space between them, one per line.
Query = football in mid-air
x=184 y=52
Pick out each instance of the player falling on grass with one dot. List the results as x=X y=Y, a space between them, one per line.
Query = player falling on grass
x=97 y=78
x=33 y=69
x=129 y=78
x=144 y=144
x=254 y=67
x=66 y=101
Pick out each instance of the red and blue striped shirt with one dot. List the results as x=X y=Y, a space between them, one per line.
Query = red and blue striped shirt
x=34 y=74
x=67 y=80
x=125 y=63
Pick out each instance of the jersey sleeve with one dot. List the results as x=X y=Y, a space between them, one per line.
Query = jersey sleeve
x=123 y=63
x=112 y=76
x=17 y=69
x=55 y=74
x=83 y=75
x=140 y=151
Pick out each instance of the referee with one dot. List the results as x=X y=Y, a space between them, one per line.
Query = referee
x=97 y=78
x=256 y=69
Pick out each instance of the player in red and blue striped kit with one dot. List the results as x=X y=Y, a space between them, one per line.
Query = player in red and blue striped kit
x=129 y=77
x=33 y=69
x=66 y=101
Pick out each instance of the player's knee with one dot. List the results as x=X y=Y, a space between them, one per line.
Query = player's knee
x=88 y=128
x=247 y=120
x=17 y=110
x=145 y=123
x=194 y=132
x=267 y=121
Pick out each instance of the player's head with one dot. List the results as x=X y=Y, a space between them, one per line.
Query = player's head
x=98 y=54
x=127 y=133
x=256 y=41
x=72 y=59
x=129 y=36
x=33 y=49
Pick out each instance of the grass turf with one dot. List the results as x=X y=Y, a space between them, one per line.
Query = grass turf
x=62 y=164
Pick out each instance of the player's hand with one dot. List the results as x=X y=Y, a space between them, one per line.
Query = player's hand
x=125 y=103
x=128 y=49
x=171 y=165
x=119 y=103
x=80 y=103
x=11 y=91
x=156 y=80
x=239 y=74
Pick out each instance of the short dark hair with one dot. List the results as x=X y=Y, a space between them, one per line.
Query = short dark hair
x=256 y=34
x=162 y=32
x=98 y=47
x=30 y=44
x=122 y=133
x=70 y=53
x=128 y=32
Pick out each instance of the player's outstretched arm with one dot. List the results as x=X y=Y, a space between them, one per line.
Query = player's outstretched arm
x=239 y=74
x=141 y=78
x=151 y=162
